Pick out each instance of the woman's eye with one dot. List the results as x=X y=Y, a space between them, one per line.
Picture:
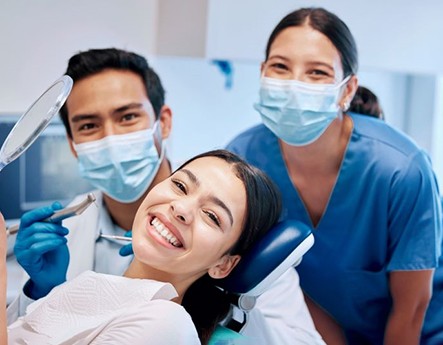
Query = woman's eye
x=179 y=185
x=212 y=217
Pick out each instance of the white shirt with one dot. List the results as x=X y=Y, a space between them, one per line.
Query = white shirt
x=280 y=316
x=104 y=309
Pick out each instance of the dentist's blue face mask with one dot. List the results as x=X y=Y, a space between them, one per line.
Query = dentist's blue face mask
x=122 y=166
x=296 y=112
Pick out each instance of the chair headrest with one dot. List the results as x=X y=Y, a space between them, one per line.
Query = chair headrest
x=280 y=249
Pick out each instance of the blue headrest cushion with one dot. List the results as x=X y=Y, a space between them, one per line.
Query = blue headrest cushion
x=267 y=255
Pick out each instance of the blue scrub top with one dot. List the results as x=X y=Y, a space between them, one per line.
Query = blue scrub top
x=383 y=215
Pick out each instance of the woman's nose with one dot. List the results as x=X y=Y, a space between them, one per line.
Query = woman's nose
x=181 y=210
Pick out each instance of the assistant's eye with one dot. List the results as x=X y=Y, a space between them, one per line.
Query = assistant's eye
x=279 y=66
x=321 y=75
x=319 y=72
x=179 y=185
x=213 y=217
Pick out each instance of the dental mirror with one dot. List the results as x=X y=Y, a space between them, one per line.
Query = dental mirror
x=35 y=120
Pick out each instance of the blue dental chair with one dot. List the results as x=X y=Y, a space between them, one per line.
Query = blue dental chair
x=282 y=248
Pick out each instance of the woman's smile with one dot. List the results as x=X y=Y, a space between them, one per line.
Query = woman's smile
x=164 y=232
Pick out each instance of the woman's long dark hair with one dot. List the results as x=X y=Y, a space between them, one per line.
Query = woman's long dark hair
x=207 y=304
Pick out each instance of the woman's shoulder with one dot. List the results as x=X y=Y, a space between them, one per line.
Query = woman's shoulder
x=160 y=321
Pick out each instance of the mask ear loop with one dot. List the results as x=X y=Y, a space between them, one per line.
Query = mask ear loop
x=158 y=138
x=151 y=113
x=346 y=104
x=156 y=130
x=344 y=81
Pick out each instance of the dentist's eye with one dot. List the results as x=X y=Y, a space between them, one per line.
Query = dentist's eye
x=212 y=217
x=179 y=185
x=87 y=127
x=129 y=117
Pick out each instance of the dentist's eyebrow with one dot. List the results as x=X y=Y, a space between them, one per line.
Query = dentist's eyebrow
x=123 y=108
x=128 y=107
x=214 y=199
x=82 y=117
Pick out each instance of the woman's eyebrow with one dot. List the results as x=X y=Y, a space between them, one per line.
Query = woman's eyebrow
x=214 y=199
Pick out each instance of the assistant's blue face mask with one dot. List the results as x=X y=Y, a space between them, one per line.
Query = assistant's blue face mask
x=122 y=166
x=296 y=112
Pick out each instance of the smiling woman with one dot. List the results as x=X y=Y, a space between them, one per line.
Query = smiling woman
x=191 y=228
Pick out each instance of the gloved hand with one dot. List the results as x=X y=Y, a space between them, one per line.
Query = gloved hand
x=40 y=248
x=127 y=249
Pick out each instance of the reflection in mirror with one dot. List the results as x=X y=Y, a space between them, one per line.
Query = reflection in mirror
x=35 y=120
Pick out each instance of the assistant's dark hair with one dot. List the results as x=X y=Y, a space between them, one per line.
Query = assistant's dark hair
x=93 y=61
x=329 y=25
x=207 y=304
x=365 y=102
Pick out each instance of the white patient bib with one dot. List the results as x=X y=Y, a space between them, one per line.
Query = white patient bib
x=88 y=301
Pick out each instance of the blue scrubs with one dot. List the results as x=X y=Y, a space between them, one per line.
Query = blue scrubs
x=383 y=215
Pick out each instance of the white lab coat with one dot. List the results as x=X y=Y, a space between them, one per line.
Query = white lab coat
x=280 y=316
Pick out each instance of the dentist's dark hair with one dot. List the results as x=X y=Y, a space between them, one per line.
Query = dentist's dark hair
x=94 y=61
x=207 y=304
x=329 y=25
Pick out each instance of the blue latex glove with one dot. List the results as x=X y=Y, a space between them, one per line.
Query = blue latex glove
x=41 y=250
x=127 y=249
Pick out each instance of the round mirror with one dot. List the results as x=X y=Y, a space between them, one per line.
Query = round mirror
x=35 y=120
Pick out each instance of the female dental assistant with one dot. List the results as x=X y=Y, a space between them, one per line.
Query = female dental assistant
x=367 y=189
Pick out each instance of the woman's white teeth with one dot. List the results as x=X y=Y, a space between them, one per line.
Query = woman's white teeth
x=164 y=232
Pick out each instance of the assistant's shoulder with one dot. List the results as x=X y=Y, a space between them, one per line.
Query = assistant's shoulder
x=385 y=136
x=396 y=155
x=251 y=136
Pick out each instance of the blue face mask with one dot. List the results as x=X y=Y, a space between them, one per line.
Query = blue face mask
x=296 y=112
x=122 y=166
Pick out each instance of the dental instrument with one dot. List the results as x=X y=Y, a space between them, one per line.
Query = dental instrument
x=61 y=214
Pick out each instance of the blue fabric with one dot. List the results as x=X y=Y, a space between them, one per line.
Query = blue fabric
x=225 y=336
x=383 y=215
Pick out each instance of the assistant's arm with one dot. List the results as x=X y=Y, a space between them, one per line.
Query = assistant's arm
x=329 y=329
x=411 y=292
x=415 y=230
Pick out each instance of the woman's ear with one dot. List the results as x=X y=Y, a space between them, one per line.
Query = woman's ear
x=224 y=266
x=165 y=121
x=349 y=92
